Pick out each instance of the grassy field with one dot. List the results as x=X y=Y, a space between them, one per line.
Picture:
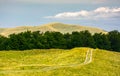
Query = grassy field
x=59 y=62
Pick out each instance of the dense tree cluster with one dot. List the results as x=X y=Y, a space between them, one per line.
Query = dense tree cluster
x=37 y=40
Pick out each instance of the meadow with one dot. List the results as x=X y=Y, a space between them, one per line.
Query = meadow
x=59 y=62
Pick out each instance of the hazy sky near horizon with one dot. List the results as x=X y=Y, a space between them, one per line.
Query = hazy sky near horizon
x=104 y=14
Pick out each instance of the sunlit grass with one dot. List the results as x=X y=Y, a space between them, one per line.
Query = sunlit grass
x=53 y=57
x=49 y=62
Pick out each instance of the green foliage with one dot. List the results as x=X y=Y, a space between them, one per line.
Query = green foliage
x=37 y=40
x=102 y=41
x=88 y=40
x=114 y=37
x=3 y=42
x=67 y=42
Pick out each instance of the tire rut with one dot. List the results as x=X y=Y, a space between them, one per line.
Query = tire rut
x=87 y=60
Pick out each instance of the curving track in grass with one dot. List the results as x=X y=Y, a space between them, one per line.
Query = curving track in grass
x=87 y=60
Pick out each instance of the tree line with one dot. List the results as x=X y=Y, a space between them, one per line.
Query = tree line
x=38 y=40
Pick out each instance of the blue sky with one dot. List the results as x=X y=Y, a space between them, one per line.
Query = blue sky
x=104 y=14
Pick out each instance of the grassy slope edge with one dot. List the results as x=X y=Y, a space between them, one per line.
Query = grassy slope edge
x=104 y=63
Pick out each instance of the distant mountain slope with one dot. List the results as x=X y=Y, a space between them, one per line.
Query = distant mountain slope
x=60 y=27
x=67 y=28
x=2 y=29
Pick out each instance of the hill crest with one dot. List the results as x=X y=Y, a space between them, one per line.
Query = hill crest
x=55 y=26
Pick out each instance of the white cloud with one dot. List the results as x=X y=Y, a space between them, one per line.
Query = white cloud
x=101 y=12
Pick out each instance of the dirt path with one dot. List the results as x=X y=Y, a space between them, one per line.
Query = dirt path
x=88 y=57
x=87 y=60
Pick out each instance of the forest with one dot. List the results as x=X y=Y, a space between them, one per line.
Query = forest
x=48 y=40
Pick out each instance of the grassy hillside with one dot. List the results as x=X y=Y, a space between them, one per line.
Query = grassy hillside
x=2 y=29
x=58 y=62
x=63 y=28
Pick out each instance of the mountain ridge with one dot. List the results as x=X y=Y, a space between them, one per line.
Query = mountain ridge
x=54 y=26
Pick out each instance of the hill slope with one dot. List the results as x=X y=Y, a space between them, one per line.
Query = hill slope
x=60 y=27
x=2 y=29
x=58 y=62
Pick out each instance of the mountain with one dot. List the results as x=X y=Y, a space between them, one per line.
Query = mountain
x=58 y=62
x=2 y=29
x=60 y=27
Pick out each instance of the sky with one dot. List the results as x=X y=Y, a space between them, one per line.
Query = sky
x=104 y=14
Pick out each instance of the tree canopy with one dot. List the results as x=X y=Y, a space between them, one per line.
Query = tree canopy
x=38 y=40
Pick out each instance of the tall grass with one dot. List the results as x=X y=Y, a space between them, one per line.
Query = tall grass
x=49 y=62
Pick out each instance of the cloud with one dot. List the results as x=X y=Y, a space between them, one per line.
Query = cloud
x=101 y=12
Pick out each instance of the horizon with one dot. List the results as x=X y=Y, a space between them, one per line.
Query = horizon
x=53 y=23
x=102 y=14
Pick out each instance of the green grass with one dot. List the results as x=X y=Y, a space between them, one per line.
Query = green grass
x=57 y=62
